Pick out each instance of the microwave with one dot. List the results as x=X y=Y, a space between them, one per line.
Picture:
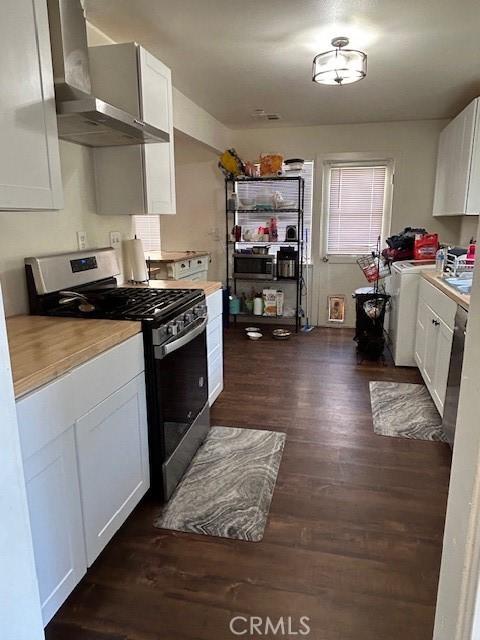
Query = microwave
x=253 y=267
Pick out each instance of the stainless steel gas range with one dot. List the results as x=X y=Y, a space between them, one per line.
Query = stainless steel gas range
x=83 y=284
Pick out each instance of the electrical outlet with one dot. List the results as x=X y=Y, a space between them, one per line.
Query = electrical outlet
x=115 y=239
x=82 y=240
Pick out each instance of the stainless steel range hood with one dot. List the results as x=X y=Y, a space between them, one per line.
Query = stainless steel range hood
x=83 y=118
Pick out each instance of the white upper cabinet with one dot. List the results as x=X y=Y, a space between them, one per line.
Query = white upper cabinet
x=457 y=184
x=135 y=179
x=30 y=176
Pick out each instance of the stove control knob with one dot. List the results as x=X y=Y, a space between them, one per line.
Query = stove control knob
x=180 y=324
x=201 y=310
x=189 y=317
x=172 y=328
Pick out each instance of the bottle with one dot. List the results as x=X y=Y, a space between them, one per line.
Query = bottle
x=232 y=203
x=440 y=261
x=273 y=230
x=471 y=251
x=258 y=305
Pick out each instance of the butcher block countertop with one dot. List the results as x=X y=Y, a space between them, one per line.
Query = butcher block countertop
x=460 y=298
x=206 y=285
x=173 y=256
x=43 y=348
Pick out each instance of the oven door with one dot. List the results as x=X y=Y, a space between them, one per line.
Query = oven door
x=182 y=388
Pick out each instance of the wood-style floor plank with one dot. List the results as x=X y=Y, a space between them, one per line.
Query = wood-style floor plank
x=355 y=530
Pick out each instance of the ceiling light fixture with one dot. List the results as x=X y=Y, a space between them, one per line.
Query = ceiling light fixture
x=339 y=66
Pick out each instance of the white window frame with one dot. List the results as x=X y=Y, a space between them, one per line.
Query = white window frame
x=327 y=165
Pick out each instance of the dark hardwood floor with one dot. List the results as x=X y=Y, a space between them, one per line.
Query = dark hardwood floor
x=354 y=535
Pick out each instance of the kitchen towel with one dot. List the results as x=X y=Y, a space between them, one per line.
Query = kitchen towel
x=228 y=488
x=404 y=410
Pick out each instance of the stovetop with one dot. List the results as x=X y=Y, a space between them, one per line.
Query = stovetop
x=127 y=303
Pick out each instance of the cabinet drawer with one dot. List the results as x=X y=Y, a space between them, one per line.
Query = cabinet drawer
x=100 y=377
x=45 y=414
x=214 y=304
x=178 y=270
x=199 y=264
x=439 y=302
x=188 y=267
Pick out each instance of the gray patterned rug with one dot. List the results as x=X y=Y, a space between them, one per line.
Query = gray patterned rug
x=405 y=410
x=228 y=488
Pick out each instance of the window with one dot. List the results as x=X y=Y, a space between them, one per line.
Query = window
x=289 y=190
x=358 y=208
x=147 y=228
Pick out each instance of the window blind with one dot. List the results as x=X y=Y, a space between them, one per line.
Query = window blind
x=356 y=208
x=147 y=228
x=289 y=190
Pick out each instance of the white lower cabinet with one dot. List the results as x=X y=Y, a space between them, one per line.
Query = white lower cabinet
x=85 y=456
x=215 y=345
x=433 y=340
x=112 y=443
x=53 y=495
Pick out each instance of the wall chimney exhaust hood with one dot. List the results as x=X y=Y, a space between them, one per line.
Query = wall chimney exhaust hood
x=83 y=118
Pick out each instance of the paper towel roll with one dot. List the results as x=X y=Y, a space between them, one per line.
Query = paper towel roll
x=137 y=266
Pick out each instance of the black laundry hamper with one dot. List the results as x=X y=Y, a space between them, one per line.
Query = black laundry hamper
x=370 y=317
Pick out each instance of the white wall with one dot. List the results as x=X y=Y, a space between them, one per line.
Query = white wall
x=27 y=233
x=199 y=224
x=468 y=230
x=412 y=145
x=20 y=614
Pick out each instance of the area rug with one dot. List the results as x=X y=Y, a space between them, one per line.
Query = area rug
x=228 y=488
x=404 y=410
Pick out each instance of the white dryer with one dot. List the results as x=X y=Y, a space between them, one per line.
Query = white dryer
x=403 y=288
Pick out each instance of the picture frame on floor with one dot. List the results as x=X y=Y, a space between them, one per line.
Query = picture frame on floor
x=336 y=308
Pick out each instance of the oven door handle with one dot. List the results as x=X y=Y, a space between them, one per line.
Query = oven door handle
x=162 y=352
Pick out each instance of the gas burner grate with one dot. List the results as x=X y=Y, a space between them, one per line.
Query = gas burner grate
x=128 y=303
x=148 y=303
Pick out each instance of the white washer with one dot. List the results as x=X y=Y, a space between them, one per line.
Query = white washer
x=403 y=288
